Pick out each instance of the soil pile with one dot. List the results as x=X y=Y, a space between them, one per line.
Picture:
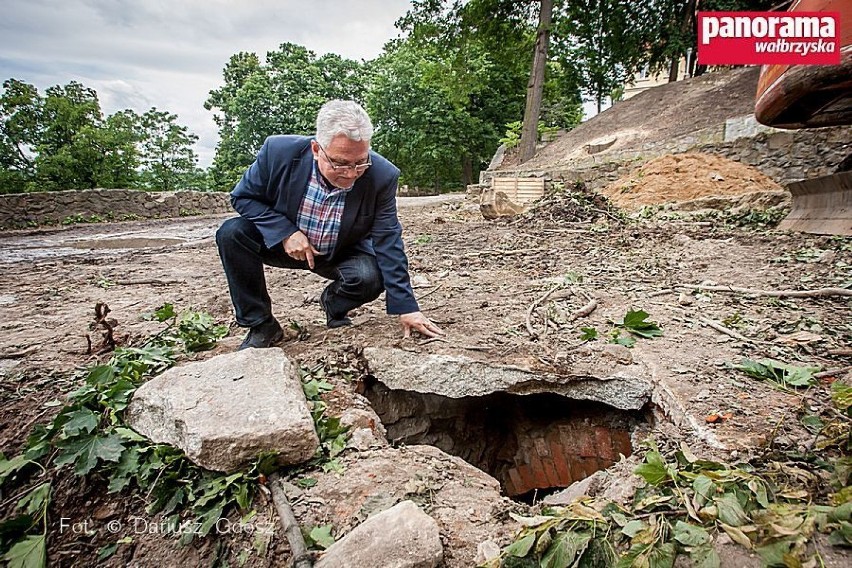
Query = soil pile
x=683 y=177
x=658 y=114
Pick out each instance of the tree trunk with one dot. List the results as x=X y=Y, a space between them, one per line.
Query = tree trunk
x=467 y=170
x=686 y=20
x=535 y=87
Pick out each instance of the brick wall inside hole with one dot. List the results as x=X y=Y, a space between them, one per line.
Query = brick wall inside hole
x=526 y=442
x=562 y=453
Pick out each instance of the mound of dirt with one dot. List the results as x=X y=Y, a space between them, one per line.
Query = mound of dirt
x=684 y=177
x=662 y=113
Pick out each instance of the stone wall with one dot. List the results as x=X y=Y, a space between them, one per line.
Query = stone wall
x=23 y=210
x=783 y=155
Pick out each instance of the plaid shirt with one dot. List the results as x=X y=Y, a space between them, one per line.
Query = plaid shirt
x=320 y=213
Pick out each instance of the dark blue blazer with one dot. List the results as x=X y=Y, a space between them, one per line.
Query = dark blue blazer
x=270 y=194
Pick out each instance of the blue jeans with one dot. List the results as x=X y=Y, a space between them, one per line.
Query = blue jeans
x=355 y=276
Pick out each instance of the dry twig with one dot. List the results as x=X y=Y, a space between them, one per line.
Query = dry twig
x=818 y=293
x=722 y=329
x=585 y=310
x=301 y=559
x=832 y=372
x=530 y=329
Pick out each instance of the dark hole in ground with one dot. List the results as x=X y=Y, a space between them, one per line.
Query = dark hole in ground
x=530 y=443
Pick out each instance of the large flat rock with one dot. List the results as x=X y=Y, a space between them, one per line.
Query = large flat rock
x=608 y=379
x=224 y=411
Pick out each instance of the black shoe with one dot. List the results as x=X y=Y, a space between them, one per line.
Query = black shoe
x=263 y=335
x=330 y=320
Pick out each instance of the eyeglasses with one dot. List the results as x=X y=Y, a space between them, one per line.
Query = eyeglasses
x=357 y=168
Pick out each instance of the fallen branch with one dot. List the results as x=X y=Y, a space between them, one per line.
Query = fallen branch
x=819 y=293
x=301 y=559
x=842 y=352
x=148 y=281
x=505 y=252
x=432 y=291
x=530 y=329
x=585 y=310
x=832 y=372
x=722 y=329
x=21 y=353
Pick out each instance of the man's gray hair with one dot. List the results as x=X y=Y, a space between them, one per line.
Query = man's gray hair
x=343 y=117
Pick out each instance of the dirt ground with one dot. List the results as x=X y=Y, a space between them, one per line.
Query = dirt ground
x=682 y=177
x=478 y=279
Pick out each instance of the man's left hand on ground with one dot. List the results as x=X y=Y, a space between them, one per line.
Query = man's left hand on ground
x=418 y=322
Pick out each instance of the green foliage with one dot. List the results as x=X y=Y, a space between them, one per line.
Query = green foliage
x=686 y=504
x=318 y=537
x=90 y=435
x=636 y=323
x=166 y=154
x=280 y=96
x=63 y=141
x=778 y=373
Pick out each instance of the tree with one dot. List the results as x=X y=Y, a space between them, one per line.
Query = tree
x=167 y=158
x=535 y=88
x=21 y=109
x=281 y=96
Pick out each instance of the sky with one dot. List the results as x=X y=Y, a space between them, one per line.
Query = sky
x=170 y=54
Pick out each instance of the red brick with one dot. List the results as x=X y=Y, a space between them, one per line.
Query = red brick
x=586 y=466
x=509 y=487
x=517 y=483
x=563 y=467
x=585 y=444
x=621 y=442
x=542 y=448
x=604 y=443
x=552 y=476
x=527 y=482
x=538 y=473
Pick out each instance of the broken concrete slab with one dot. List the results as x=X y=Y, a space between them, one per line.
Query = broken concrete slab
x=225 y=411
x=464 y=501
x=599 y=377
x=400 y=537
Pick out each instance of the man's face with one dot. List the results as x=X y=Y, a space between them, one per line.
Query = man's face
x=334 y=160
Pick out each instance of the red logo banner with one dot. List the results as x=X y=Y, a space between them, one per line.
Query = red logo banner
x=765 y=38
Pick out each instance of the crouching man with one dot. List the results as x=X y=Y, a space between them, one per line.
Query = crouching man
x=325 y=204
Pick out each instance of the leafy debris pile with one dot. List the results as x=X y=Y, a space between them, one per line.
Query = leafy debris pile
x=573 y=203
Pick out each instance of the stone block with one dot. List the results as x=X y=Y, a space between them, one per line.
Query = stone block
x=225 y=411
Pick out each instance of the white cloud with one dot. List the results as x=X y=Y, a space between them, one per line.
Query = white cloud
x=170 y=53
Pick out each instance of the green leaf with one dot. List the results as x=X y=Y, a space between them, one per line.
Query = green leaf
x=564 y=549
x=306 y=482
x=30 y=552
x=107 y=551
x=773 y=554
x=624 y=340
x=842 y=536
x=35 y=502
x=662 y=556
x=812 y=423
x=654 y=469
x=85 y=452
x=841 y=396
x=100 y=375
x=589 y=333
x=635 y=322
x=690 y=535
x=322 y=536
x=704 y=488
x=633 y=527
x=80 y=421
x=522 y=546
x=705 y=557
x=10 y=467
x=730 y=511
